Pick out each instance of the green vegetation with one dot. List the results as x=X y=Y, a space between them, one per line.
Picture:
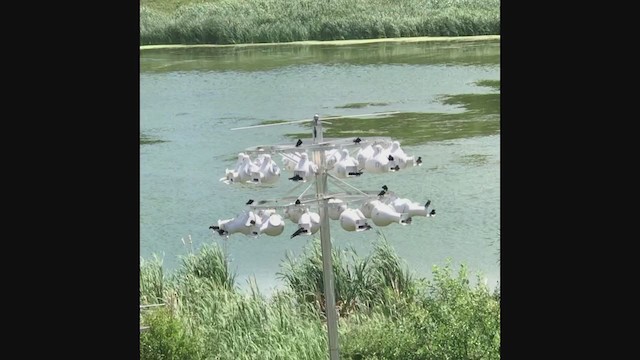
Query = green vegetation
x=146 y=140
x=494 y=84
x=448 y=51
x=384 y=311
x=480 y=117
x=277 y=21
x=474 y=159
x=361 y=105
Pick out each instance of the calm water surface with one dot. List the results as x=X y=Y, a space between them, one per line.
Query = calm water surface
x=190 y=99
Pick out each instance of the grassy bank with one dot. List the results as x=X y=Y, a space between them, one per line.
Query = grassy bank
x=385 y=312
x=276 y=21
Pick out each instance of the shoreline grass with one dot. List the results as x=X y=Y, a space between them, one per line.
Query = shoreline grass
x=332 y=42
x=385 y=312
x=284 y=21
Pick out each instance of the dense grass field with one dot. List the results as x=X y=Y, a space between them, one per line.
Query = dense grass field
x=276 y=21
x=384 y=311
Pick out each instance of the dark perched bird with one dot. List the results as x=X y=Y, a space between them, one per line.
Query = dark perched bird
x=298 y=232
x=299 y=143
x=419 y=161
x=252 y=222
x=249 y=202
x=297 y=201
x=390 y=158
x=395 y=168
x=433 y=212
x=218 y=230
x=357 y=173
x=381 y=193
x=428 y=203
x=357 y=140
x=296 y=177
x=385 y=188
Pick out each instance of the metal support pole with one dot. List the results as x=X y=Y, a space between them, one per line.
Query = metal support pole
x=327 y=273
x=325 y=243
x=317 y=130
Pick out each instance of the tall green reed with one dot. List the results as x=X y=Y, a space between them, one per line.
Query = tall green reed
x=151 y=279
x=385 y=313
x=211 y=263
x=265 y=21
x=359 y=282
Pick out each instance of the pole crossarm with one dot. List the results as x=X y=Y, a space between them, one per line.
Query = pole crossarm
x=307 y=145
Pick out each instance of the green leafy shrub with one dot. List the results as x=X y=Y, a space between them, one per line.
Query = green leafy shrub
x=385 y=312
x=166 y=338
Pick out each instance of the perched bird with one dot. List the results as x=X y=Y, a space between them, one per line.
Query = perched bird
x=396 y=168
x=433 y=212
x=419 y=161
x=428 y=203
x=385 y=188
x=390 y=158
x=357 y=140
x=299 y=143
x=298 y=232
x=381 y=193
x=297 y=201
x=252 y=222
x=249 y=202
x=358 y=172
x=296 y=177
x=218 y=230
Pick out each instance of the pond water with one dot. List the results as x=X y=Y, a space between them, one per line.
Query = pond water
x=447 y=99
